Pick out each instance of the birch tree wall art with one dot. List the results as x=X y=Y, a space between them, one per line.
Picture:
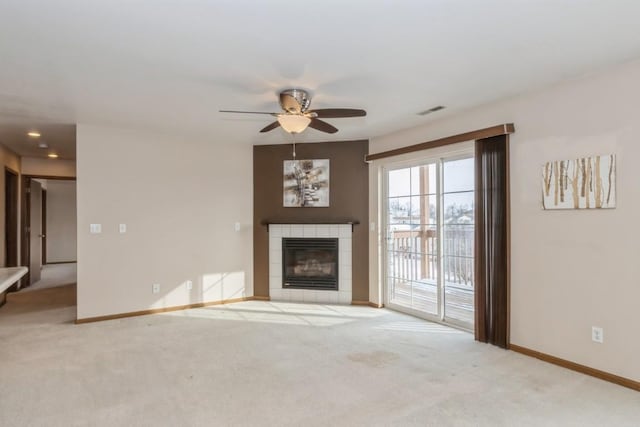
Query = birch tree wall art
x=585 y=183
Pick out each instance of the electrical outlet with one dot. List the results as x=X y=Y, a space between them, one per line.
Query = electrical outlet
x=95 y=228
x=189 y=285
x=123 y=228
x=597 y=334
x=155 y=288
x=236 y=226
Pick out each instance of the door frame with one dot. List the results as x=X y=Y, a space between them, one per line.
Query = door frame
x=11 y=225
x=25 y=219
x=386 y=289
x=44 y=226
x=11 y=222
x=437 y=157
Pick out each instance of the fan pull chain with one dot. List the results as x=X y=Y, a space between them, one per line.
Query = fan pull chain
x=293 y=137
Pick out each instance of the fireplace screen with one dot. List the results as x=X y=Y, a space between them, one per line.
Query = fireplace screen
x=310 y=263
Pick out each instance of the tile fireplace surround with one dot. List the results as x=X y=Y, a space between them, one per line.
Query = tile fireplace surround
x=341 y=231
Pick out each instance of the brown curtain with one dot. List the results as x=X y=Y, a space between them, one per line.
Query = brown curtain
x=492 y=241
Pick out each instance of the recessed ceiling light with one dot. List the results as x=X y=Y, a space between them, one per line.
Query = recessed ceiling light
x=43 y=145
x=53 y=155
x=34 y=134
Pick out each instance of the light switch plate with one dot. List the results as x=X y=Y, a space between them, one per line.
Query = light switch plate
x=95 y=228
x=597 y=334
x=123 y=228
x=236 y=226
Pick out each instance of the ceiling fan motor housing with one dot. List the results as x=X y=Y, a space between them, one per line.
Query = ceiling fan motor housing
x=295 y=101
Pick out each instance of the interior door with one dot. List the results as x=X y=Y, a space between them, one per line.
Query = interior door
x=35 y=231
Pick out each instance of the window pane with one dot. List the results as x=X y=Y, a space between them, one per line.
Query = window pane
x=426 y=267
x=423 y=209
x=458 y=302
x=399 y=182
x=423 y=179
x=458 y=208
x=399 y=210
x=403 y=241
x=458 y=175
x=425 y=297
x=458 y=240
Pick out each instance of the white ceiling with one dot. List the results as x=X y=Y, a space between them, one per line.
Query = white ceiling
x=171 y=65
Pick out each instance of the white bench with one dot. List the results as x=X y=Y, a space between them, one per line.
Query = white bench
x=10 y=275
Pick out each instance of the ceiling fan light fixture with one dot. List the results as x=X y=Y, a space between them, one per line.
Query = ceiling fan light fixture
x=297 y=116
x=293 y=123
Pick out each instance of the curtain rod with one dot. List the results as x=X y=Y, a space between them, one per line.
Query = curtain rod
x=502 y=129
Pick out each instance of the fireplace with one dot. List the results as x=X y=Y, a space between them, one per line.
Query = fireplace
x=310 y=263
x=278 y=291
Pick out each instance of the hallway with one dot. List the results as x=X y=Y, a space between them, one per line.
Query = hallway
x=54 y=275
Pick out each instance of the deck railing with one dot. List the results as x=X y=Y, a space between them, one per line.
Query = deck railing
x=413 y=254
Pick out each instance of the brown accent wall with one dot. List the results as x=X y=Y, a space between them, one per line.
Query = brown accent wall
x=348 y=201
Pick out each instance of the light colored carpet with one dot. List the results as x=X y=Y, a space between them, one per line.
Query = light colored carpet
x=53 y=275
x=278 y=364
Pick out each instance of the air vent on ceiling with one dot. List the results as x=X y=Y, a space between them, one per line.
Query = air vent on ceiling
x=431 y=110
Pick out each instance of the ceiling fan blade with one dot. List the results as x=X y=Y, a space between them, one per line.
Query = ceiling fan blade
x=335 y=113
x=322 y=126
x=272 y=126
x=248 y=112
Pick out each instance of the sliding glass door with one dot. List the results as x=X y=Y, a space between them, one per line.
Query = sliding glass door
x=429 y=239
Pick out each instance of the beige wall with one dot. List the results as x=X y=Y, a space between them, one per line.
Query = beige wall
x=180 y=198
x=61 y=221
x=48 y=167
x=571 y=270
x=10 y=160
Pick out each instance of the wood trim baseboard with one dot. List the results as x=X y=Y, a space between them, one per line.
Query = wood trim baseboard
x=502 y=129
x=165 y=309
x=606 y=376
x=367 y=303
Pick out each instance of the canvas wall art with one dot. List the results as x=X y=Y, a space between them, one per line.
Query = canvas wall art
x=585 y=183
x=306 y=183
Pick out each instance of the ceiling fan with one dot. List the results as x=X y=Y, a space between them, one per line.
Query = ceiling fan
x=296 y=115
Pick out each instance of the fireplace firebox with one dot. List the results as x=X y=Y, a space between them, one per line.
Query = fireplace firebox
x=310 y=263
